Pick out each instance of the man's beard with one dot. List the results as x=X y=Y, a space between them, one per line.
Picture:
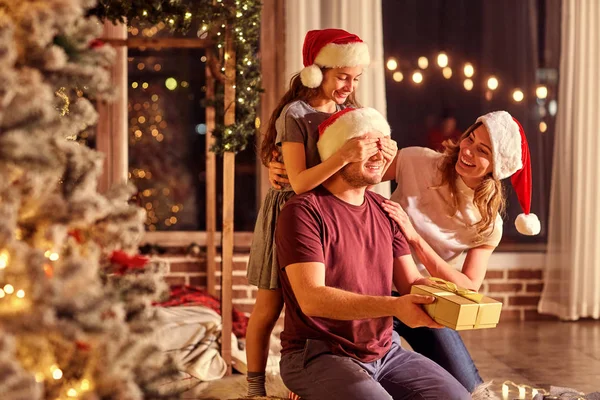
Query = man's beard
x=354 y=178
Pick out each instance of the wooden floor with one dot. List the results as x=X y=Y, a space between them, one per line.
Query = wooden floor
x=539 y=353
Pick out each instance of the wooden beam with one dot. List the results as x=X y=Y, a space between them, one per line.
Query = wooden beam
x=211 y=189
x=111 y=136
x=158 y=43
x=228 y=203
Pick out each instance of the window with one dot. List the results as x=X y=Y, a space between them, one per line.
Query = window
x=508 y=42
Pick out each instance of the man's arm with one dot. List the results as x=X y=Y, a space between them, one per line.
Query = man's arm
x=406 y=274
x=317 y=300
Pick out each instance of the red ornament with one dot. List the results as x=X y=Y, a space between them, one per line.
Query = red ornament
x=127 y=262
x=83 y=346
x=94 y=44
x=77 y=235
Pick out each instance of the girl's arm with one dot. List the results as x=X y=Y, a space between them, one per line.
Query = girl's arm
x=474 y=267
x=303 y=179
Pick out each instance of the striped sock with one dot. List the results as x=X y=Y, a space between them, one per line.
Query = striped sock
x=256 y=384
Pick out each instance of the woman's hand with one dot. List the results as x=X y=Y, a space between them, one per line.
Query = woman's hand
x=399 y=215
x=277 y=172
x=389 y=149
x=358 y=149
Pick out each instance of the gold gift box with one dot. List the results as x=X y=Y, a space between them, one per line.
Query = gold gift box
x=458 y=312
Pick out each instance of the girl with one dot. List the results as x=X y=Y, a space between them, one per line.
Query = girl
x=450 y=203
x=333 y=60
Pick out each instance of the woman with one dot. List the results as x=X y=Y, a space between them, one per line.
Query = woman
x=449 y=203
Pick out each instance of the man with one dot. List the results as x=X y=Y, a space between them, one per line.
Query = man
x=339 y=254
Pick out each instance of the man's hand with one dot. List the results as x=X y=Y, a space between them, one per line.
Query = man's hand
x=277 y=172
x=410 y=312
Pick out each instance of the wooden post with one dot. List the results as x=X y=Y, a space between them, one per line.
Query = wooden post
x=228 y=202
x=111 y=137
x=211 y=188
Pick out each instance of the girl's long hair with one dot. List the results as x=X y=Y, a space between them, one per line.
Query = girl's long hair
x=489 y=196
x=297 y=91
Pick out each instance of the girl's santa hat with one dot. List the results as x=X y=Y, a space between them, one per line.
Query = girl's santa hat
x=511 y=158
x=342 y=126
x=331 y=48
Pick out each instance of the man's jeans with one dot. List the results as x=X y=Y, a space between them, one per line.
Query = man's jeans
x=444 y=347
x=315 y=373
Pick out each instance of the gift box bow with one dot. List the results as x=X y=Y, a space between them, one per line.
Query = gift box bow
x=455 y=289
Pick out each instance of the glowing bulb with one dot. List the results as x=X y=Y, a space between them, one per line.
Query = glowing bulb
x=188 y=15
x=447 y=72
x=541 y=92
x=518 y=95
x=47 y=253
x=398 y=76
x=417 y=77
x=423 y=62
x=53 y=257
x=468 y=84
x=171 y=83
x=543 y=127
x=442 y=60
x=72 y=392
x=9 y=289
x=392 y=64
x=20 y=293
x=85 y=384
x=492 y=83
x=57 y=374
x=469 y=70
x=3 y=259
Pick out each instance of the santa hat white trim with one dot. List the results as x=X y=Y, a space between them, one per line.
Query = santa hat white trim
x=350 y=123
x=506 y=143
x=335 y=55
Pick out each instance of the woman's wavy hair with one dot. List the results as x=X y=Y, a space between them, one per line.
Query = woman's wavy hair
x=489 y=196
x=297 y=91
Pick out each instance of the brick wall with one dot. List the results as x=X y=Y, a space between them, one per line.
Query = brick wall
x=518 y=286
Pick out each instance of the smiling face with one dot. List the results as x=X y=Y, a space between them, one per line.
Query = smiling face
x=339 y=83
x=367 y=172
x=475 y=156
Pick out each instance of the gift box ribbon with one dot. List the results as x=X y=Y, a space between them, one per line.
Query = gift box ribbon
x=454 y=288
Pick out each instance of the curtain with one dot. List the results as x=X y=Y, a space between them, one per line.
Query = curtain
x=572 y=275
x=362 y=17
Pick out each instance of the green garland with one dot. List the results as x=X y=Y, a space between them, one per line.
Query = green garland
x=244 y=17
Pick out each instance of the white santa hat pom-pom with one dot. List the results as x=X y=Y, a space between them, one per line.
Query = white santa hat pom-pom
x=528 y=224
x=311 y=76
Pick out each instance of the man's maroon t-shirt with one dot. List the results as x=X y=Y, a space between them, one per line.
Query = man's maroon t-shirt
x=357 y=245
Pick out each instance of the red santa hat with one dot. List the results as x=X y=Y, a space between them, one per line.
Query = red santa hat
x=332 y=48
x=511 y=158
x=346 y=124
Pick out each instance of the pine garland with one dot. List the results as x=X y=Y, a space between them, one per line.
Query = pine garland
x=244 y=17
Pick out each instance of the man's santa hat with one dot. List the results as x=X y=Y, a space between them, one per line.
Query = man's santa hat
x=511 y=158
x=331 y=48
x=342 y=126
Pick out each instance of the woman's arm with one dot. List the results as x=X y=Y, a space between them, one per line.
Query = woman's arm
x=474 y=267
x=303 y=179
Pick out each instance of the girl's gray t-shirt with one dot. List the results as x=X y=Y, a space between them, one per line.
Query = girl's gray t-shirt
x=299 y=123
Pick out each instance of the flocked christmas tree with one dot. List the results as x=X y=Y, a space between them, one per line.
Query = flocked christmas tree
x=75 y=301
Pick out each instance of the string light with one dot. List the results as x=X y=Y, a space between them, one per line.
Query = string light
x=447 y=72
x=417 y=77
x=469 y=70
x=543 y=127
x=468 y=84
x=492 y=83
x=3 y=259
x=423 y=62
x=442 y=60
x=398 y=76
x=9 y=289
x=541 y=92
x=518 y=95
x=392 y=64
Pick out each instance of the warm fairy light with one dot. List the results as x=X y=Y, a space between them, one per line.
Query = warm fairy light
x=54 y=257
x=518 y=95
x=3 y=259
x=468 y=84
x=20 y=293
x=447 y=72
x=492 y=83
x=85 y=384
x=175 y=209
x=145 y=85
x=134 y=85
x=541 y=92
x=188 y=15
x=157 y=67
x=442 y=60
x=423 y=62
x=392 y=64
x=203 y=58
x=160 y=137
x=141 y=119
x=39 y=377
x=146 y=193
x=72 y=392
x=417 y=77
x=9 y=289
x=469 y=70
x=543 y=127
x=184 y=84
x=57 y=374
x=171 y=83
x=47 y=253
x=398 y=76
x=141 y=66
x=173 y=220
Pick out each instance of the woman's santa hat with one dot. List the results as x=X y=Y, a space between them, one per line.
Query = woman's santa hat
x=331 y=48
x=342 y=126
x=511 y=158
